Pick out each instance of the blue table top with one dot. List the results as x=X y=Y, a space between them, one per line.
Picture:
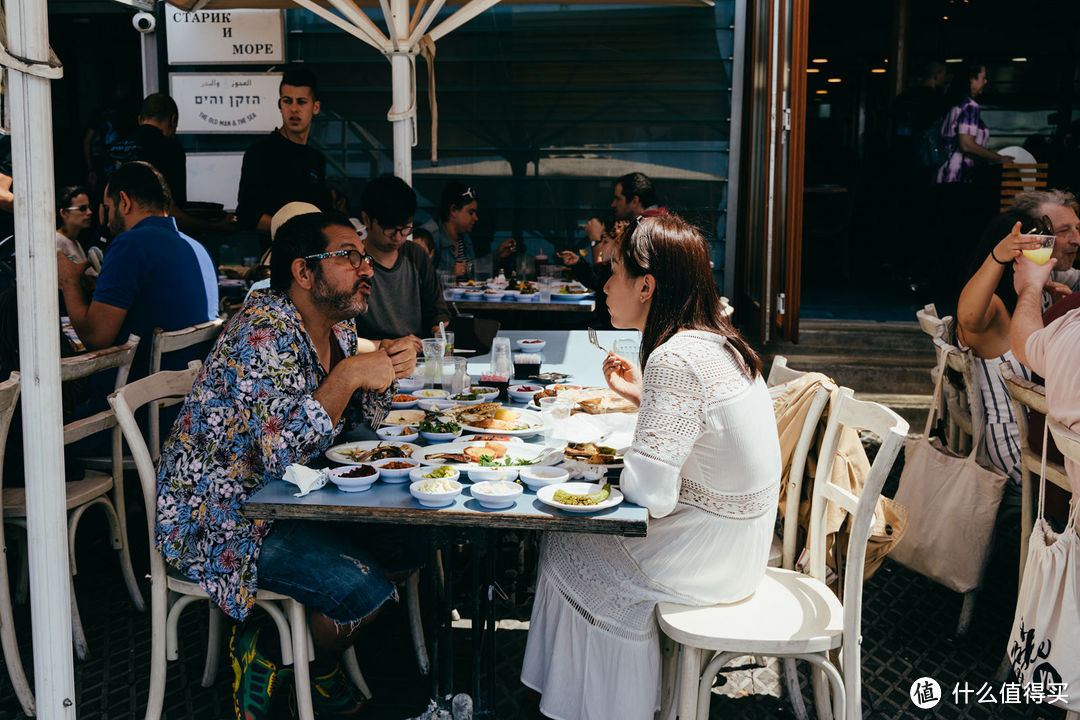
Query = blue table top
x=566 y=351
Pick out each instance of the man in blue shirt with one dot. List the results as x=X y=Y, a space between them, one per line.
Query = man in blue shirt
x=152 y=276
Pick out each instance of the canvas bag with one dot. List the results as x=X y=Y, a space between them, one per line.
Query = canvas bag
x=952 y=504
x=1043 y=645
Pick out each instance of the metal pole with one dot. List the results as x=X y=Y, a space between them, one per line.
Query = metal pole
x=403 y=80
x=148 y=46
x=735 y=147
x=39 y=349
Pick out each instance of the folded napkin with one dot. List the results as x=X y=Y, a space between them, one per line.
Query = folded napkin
x=304 y=478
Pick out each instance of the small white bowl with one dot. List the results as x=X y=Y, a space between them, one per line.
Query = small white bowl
x=401 y=475
x=404 y=404
x=434 y=499
x=474 y=401
x=511 y=295
x=482 y=493
x=407 y=385
x=431 y=393
x=517 y=394
x=538 y=477
x=474 y=294
x=433 y=404
x=398 y=433
x=493 y=474
x=494 y=295
x=530 y=345
x=488 y=393
x=352 y=484
x=440 y=437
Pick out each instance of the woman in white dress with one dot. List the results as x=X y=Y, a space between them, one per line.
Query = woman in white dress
x=705 y=461
x=73 y=216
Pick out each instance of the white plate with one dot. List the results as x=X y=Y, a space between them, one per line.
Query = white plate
x=526 y=451
x=546 y=493
x=334 y=453
x=404 y=417
x=477 y=438
x=536 y=424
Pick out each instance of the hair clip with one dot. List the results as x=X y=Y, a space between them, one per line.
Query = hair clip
x=469 y=193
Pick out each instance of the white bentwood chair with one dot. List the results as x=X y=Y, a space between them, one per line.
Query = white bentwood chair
x=792 y=615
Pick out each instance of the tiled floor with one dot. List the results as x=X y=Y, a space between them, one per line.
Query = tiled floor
x=908 y=633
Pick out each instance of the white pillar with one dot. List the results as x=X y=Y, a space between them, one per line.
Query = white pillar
x=39 y=349
x=403 y=80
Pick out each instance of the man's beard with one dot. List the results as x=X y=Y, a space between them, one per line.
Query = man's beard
x=339 y=305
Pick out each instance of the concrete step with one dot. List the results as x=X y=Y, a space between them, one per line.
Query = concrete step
x=824 y=336
x=868 y=373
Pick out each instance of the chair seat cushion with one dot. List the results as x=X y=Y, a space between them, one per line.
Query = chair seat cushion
x=789 y=613
x=79 y=492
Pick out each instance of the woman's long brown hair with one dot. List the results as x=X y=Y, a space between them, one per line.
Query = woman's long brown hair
x=674 y=252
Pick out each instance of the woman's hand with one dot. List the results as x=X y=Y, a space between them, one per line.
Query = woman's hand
x=1012 y=244
x=460 y=268
x=624 y=377
x=508 y=248
x=569 y=257
x=1058 y=291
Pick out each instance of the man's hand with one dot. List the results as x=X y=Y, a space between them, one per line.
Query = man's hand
x=460 y=268
x=1029 y=276
x=402 y=352
x=372 y=371
x=1058 y=291
x=593 y=230
x=569 y=257
x=508 y=248
x=69 y=272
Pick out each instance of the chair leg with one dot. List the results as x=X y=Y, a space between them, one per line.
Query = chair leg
x=352 y=669
x=213 y=645
x=416 y=622
x=967 y=612
x=791 y=682
x=669 y=672
x=155 y=699
x=285 y=633
x=22 y=584
x=822 y=700
x=8 y=639
x=172 y=621
x=689 y=677
x=301 y=671
x=78 y=636
x=1027 y=518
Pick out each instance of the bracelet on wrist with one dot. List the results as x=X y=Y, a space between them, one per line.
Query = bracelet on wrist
x=999 y=262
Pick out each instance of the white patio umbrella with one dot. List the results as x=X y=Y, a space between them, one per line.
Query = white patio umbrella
x=409 y=27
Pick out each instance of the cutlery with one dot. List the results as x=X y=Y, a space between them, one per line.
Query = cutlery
x=594 y=341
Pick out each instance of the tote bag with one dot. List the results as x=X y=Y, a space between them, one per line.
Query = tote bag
x=952 y=504
x=1043 y=645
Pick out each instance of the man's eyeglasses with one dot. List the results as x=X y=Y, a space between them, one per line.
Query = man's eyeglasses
x=355 y=257
x=402 y=230
x=80 y=208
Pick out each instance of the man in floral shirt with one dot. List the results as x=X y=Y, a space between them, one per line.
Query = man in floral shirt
x=277 y=389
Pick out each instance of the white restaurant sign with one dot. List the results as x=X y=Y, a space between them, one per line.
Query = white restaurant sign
x=209 y=37
x=226 y=102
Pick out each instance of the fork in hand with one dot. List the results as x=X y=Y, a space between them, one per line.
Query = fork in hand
x=594 y=341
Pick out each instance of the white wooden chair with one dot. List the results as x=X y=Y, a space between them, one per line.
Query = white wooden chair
x=95 y=487
x=1027 y=395
x=170 y=592
x=792 y=615
x=9 y=397
x=163 y=343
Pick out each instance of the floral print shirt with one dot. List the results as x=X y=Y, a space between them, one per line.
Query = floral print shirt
x=248 y=416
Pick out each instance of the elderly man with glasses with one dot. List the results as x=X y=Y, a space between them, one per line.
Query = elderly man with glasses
x=280 y=385
x=406 y=297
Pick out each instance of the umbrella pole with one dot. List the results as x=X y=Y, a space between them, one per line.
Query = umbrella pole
x=403 y=84
x=39 y=350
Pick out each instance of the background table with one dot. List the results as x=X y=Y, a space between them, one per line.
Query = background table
x=566 y=351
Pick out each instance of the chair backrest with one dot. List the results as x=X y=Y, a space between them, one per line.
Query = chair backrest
x=1067 y=440
x=118 y=357
x=779 y=374
x=164 y=343
x=9 y=398
x=1025 y=395
x=124 y=402
x=846 y=411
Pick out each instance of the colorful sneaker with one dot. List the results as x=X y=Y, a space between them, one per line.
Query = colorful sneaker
x=255 y=679
x=333 y=696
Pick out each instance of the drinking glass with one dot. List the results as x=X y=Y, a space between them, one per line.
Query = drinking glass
x=543 y=288
x=1041 y=255
x=449 y=349
x=454 y=377
x=554 y=411
x=433 y=351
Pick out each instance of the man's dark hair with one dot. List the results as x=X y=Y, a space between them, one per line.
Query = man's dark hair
x=389 y=200
x=141 y=182
x=300 y=77
x=638 y=184
x=301 y=236
x=158 y=106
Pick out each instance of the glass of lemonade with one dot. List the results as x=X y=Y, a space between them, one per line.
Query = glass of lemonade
x=1041 y=255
